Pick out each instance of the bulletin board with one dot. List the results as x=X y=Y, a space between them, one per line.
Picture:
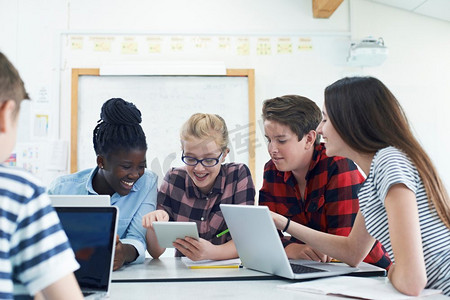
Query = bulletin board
x=165 y=102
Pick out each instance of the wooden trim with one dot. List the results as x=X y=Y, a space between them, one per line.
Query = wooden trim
x=74 y=115
x=249 y=73
x=323 y=9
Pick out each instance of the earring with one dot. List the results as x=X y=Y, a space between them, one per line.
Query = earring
x=101 y=166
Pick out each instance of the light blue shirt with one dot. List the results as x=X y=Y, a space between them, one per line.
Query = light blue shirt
x=140 y=201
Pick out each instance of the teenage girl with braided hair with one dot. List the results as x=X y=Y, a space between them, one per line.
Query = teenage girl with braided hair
x=120 y=145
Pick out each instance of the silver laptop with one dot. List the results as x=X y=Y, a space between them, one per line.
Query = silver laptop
x=92 y=234
x=80 y=200
x=259 y=245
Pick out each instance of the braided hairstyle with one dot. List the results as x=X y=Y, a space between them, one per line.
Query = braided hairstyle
x=118 y=128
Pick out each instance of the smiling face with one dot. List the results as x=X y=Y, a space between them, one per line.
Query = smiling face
x=286 y=151
x=119 y=171
x=333 y=142
x=203 y=177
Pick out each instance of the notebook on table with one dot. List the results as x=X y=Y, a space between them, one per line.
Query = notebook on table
x=259 y=245
x=92 y=233
x=80 y=200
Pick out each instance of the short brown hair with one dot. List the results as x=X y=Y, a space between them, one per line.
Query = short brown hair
x=11 y=85
x=299 y=113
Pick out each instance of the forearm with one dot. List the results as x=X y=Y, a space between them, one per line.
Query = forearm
x=408 y=275
x=332 y=245
x=65 y=288
x=225 y=251
x=130 y=253
x=340 y=219
x=350 y=250
x=406 y=282
x=152 y=244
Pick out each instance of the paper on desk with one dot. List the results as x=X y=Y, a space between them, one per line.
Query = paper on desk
x=357 y=287
x=227 y=262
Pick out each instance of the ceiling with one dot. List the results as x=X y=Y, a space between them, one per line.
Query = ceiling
x=439 y=9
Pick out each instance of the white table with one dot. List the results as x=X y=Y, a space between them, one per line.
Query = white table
x=168 y=278
x=205 y=290
x=169 y=269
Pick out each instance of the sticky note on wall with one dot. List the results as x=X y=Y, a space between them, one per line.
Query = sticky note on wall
x=129 y=46
x=102 y=44
x=284 y=46
x=243 y=46
x=263 y=46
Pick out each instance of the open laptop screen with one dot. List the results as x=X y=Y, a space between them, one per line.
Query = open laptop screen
x=91 y=233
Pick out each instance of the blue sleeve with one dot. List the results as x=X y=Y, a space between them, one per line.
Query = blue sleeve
x=55 y=187
x=135 y=234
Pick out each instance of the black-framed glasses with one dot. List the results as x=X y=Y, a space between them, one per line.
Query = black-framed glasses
x=206 y=162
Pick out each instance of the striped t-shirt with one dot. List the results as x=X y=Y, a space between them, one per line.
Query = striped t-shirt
x=390 y=166
x=34 y=250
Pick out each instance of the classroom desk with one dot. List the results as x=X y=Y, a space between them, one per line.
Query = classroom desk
x=204 y=290
x=168 y=278
x=168 y=269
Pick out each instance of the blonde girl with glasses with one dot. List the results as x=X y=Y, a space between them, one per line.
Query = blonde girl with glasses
x=193 y=192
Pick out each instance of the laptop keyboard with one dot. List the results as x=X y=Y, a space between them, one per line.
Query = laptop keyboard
x=300 y=269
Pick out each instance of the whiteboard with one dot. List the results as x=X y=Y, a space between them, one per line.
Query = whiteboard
x=165 y=102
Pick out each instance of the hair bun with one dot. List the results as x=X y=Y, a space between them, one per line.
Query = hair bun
x=118 y=111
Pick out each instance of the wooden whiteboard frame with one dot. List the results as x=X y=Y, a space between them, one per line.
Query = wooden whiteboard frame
x=76 y=73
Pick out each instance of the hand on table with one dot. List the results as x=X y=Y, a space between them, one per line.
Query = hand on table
x=303 y=251
x=119 y=256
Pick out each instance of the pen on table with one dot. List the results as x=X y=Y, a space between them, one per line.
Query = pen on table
x=222 y=233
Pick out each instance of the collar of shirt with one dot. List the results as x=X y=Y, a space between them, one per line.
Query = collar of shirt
x=90 y=188
x=218 y=188
x=289 y=178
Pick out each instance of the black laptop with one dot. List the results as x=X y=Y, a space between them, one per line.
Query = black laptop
x=92 y=233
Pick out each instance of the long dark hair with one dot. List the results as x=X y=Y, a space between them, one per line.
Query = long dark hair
x=368 y=117
x=118 y=128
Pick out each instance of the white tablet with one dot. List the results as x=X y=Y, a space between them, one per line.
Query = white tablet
x=168 y=232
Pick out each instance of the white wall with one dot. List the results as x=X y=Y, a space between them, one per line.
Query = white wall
x=417 y=69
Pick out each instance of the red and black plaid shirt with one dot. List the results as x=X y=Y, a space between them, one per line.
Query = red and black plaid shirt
x=331 y=198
